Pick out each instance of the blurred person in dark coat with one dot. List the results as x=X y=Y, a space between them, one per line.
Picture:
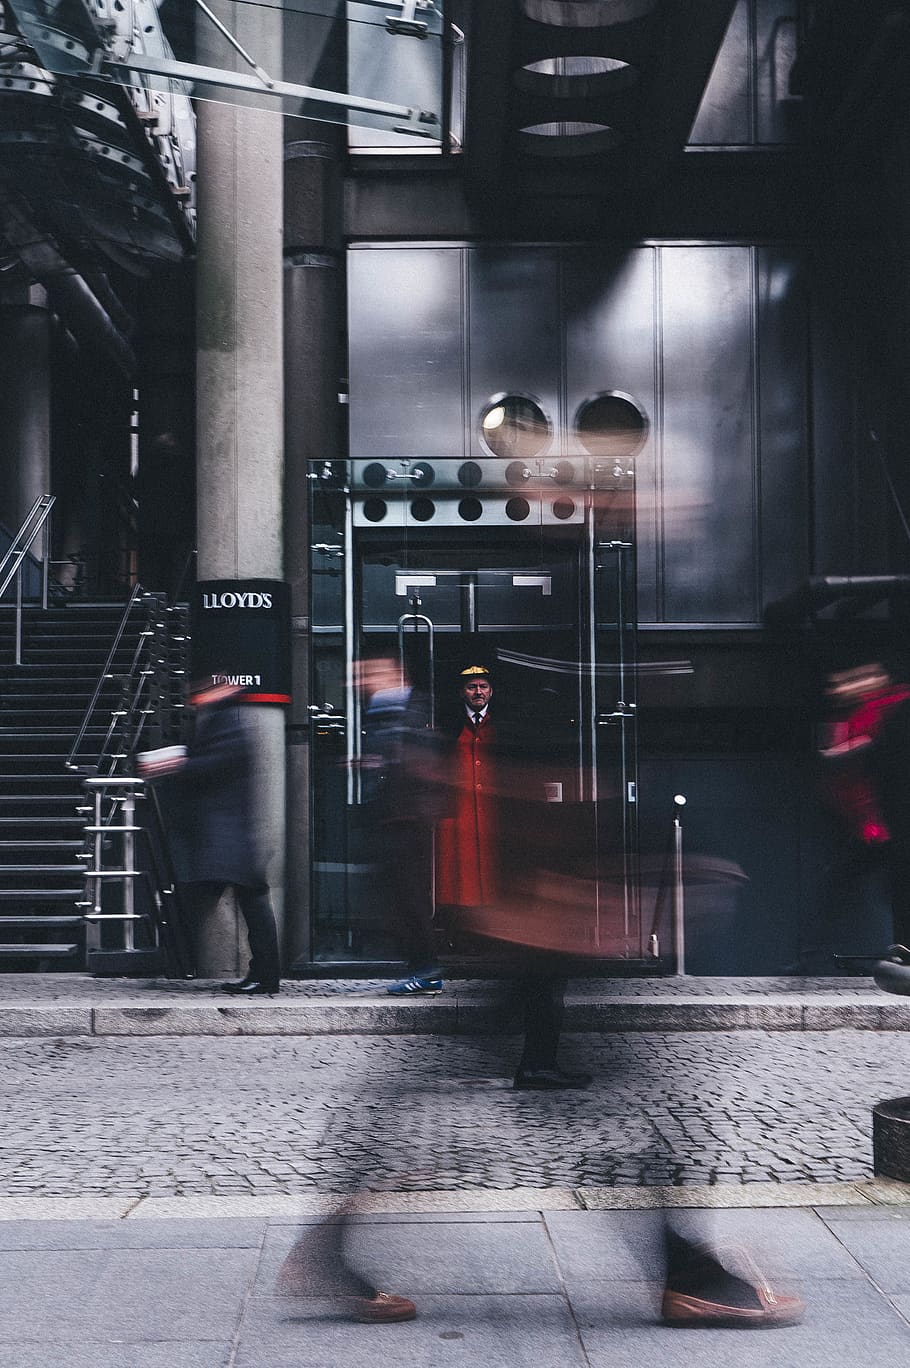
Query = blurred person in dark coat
x=212 y=825
x=401 y=796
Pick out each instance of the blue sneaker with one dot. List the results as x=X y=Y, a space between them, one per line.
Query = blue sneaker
x=415 y=985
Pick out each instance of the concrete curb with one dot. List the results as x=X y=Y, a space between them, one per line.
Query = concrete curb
x=293 y=1207
x=448 y=1014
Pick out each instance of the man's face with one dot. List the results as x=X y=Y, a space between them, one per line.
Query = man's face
x=477 y=693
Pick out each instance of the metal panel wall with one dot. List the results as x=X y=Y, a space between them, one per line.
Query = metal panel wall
x=710 y=342
x=405 y=316
x=610 y=346
x=514 y=331
x=782 y=384
x=851 y=508
x=708 y=475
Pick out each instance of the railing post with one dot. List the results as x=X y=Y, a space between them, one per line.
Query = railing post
x=679 y=893
x=46 y=561
x=19 y=616
x=129 y=856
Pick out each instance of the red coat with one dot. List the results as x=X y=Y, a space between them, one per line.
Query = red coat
x=467 y=851
x=850 y=780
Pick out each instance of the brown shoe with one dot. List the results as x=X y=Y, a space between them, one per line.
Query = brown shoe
x=771 y=1309
x=701 y=1291
x=383 y=1309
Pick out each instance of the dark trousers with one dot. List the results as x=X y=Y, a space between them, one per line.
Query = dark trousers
x=900 y=887
x=407 y=859
x=542 y=1001
x=256 y=908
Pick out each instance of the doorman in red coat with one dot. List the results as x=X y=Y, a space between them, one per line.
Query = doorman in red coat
x=467 y=846
x=470 y=873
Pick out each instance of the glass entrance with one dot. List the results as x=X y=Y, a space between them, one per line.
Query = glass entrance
x=530 y=574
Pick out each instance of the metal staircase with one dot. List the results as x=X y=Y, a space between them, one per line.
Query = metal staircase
x=41 y=820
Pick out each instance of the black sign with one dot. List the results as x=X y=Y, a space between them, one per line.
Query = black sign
x=242 y=635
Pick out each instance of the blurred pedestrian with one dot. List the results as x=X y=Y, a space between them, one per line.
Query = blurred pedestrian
x=866 y=769
x=212 y=825
x=401 y=798
x=485 y=765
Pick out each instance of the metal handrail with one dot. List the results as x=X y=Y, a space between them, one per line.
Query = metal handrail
x=14 y=558
x=70 y=762
x=168 y=916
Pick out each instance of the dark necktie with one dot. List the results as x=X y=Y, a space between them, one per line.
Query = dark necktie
x=478 y=718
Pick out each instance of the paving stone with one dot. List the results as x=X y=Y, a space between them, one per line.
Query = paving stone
x=128 y=1295
x=415 y=1260
x=496 y=1332
x=787 y=1246
x=846 y=1322
x=179 y=1233
x=882 y=1250
x=758 y=1194
x=92 y=1354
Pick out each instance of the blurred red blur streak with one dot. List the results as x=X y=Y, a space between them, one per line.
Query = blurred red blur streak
x=584 y=917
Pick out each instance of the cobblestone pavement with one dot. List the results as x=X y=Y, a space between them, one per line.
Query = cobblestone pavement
x=160 y=1116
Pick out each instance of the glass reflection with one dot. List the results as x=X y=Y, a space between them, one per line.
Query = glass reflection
x=611 y=426
x=515 y=426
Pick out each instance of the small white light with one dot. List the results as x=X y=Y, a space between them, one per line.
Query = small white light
x=679 y=799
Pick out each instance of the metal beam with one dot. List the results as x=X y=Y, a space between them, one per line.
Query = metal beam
x=189 y=71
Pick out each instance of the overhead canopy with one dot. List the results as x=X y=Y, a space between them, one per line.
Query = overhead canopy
x=373 y=63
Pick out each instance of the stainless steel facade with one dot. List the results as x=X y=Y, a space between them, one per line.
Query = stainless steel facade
x=708 y=341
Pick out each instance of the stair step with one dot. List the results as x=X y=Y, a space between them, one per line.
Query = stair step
x=42 y=821
x=43 y=869
x=52 y=843
x=10 y=781
x=38 y=951
x=49 y=758
x=41 y=894
x=40 y=923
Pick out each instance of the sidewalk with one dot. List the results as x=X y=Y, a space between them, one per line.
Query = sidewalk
x=155 y=1184
x=545 y=1287
x=79 y=1005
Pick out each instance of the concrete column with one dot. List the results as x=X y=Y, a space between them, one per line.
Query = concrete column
x=25 y=405
x=240 y=417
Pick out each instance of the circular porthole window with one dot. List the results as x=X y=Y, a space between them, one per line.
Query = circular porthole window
x=422 y=509
x=611 y=426
x=581 y=14
x=563 y=509
x=568 y=139
x=568 y=78
x=374 y=510
x=515 y=427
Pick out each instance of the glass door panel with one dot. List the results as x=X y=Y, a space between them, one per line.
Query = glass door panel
x=550 y=612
